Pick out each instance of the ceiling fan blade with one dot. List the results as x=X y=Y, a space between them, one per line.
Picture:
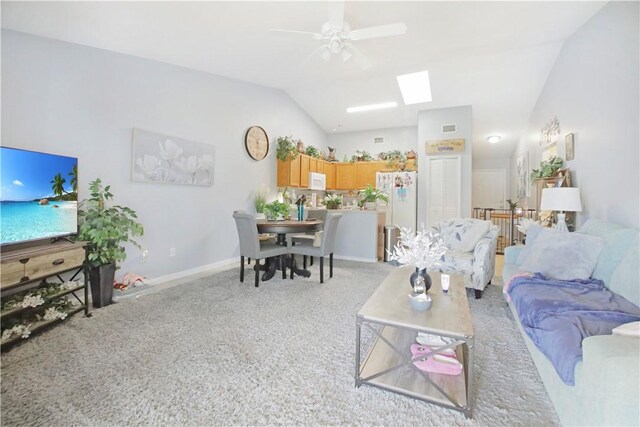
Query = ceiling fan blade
x=315 y=36
x=396 y=29
x=336 y=13
x=360 y=58
x=314 y=53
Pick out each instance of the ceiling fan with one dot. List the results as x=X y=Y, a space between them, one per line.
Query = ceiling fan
x=338 y=36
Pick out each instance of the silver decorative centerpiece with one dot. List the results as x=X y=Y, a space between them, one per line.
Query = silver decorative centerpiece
x=424 y=250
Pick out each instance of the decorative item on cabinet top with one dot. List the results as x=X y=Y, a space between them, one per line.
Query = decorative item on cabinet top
x=256 y=142
x=444 y=146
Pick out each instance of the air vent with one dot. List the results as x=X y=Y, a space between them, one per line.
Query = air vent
x=378 y=140
x=448 y=128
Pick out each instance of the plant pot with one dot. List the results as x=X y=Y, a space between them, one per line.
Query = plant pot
x=261 y=216
x=371 y=206
x=101 y=280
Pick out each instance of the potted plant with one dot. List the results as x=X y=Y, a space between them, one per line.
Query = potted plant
x=423 y=250
x=106 y=229
x=286 y=149
x=277 y=210
x=259 y=202
x=312 y=151
x=548 y=168
x=396 y=159
x=370 y=197
x=333 y=201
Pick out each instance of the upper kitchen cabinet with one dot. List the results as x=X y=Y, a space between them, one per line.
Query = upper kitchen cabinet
x=289 y=173
x=304 y=170
x=330 y=172
x=366 y=173
x=345 y=176
x=313 y=164
x=321 y=164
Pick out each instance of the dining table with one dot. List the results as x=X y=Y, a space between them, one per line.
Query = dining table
x=281 y=228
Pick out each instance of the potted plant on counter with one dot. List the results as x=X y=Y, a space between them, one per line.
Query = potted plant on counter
x=106 y=229
x=333 y=201
x=260 y=201
x=370 y=197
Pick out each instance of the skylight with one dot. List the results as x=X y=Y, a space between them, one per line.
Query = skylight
x=415 y=87
x=372 y=107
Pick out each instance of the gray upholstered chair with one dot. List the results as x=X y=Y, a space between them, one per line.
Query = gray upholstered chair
x=310 y=236
x=250 y=245
x=326 y=247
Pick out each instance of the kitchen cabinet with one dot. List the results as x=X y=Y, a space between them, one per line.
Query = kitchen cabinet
x=289 y=173
x=366 y=173
x=321 y=164
x=345 y=176
x=330 y=172
x=304 y=171
x=313 y=164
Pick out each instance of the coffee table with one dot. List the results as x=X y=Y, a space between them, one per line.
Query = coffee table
x=389 y=363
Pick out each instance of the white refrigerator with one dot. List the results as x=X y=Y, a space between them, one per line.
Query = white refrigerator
x=401 y=187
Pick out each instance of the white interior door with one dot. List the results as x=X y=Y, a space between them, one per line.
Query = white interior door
x=489 y=188
x=443 y=189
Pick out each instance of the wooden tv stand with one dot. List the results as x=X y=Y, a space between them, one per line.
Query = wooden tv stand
x=25 y=268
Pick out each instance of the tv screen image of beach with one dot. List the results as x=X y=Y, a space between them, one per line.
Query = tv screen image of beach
x=38 y=195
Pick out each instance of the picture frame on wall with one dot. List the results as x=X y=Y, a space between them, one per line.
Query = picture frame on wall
x=569 y=147
x=522 y=173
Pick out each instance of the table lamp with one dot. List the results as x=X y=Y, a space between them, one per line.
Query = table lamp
x=561 y=199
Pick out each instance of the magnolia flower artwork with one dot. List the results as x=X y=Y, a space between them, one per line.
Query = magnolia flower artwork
x=423 y=249
x=172 y=160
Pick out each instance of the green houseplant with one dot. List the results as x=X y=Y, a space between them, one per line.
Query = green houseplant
x=370 y=197
x=548 y=168
x=396 y=159
x=333 y=201
x=312 y=152
x=259 y=202
x=276 y=209
x=107 y=229
x=286 y=149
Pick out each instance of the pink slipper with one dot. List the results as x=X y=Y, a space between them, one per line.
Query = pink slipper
x=436 y=363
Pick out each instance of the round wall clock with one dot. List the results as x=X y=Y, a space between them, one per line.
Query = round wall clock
x=256 y=142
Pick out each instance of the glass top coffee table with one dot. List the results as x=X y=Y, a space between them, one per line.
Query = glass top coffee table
x=389 y=363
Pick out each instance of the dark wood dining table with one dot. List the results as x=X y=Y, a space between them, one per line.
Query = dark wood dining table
x=281 y=229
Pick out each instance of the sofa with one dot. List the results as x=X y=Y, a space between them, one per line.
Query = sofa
x=607 y=379
x=471 y=250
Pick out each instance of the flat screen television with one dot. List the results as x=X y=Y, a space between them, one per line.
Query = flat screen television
x=38 y=196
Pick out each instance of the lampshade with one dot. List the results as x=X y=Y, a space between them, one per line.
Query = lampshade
x=566 y=199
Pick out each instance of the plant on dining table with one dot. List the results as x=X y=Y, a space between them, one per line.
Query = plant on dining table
x=276 y=210
x=423 y=250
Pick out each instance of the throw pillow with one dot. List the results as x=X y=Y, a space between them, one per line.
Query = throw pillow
x=564 y=256
x=532 y=234
x=628 y=330
x=469 y=238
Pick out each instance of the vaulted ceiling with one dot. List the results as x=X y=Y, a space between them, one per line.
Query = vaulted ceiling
x=494 y=56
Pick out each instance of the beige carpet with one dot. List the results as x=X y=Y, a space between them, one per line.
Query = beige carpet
x=217 y=352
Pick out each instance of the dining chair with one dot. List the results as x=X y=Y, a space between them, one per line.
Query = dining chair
x=327 y=243
x=310 y=236
x=250 y=245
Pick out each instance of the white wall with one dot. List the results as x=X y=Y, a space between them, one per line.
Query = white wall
x=593 y=90
x=430 y=128
x=495 y=163
x=346 y=143
x=79 y=101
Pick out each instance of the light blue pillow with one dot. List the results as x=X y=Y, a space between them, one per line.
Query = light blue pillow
x=564 y=256
x=532 y=234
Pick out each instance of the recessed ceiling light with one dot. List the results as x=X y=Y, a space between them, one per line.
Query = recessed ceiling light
x=493 y=139
x=372 y=107
x=415 y=87
x=334 y=129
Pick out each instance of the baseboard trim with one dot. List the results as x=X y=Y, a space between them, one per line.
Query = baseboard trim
x=214 y=267
x=351 y=258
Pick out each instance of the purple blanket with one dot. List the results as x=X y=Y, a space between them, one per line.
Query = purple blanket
x=557 y=315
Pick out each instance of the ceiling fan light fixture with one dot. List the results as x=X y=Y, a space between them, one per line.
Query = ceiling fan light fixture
x=372 y=107
x=493 y=139
x=415 y=87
